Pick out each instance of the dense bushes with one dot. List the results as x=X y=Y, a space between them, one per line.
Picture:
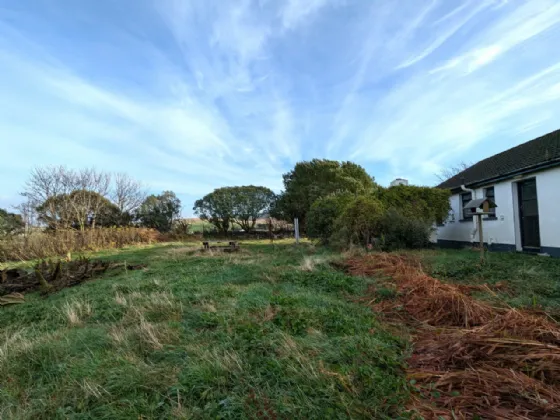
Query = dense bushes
x=400 y=231
x=323 y=214
x=60 y=242
x=388 y=218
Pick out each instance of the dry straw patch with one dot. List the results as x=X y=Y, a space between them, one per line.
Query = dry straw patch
x=76 y=311
x=310 y=262
x=469 y=358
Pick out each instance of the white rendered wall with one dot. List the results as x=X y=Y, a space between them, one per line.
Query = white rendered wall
x=505 y=230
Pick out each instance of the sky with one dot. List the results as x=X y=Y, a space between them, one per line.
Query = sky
x=191 y=95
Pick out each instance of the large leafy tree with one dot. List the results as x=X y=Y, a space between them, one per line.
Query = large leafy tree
x=360 y=222
x=249 y=204
x=323 y=214
x=10 y=223
x=159 y=211
x=217 y=208
x=309 y=181
x=242 y=205
x=427 y=204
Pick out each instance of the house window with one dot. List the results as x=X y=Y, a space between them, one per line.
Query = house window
x=489 y=193
x=465 y=199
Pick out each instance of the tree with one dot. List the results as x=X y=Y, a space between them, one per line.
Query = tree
x=10 y=223
x=217 y=207
x=249 y=204
x=360 y=222
x=42 y=189
x=127 y=195
x=242 y=205
x=80 y=209
x=318 y=178
x=63 y=196
x=450 y=172
x=160 y=211
x=323 y=214
x=427 y=204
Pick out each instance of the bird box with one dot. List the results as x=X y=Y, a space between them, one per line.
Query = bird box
x=479 y=206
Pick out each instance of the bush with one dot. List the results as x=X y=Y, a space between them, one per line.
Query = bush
x=323 y=214
x=399 y=231
x=61 y=242
x=359 y=223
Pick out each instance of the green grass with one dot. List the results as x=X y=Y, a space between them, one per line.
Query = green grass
x=270 y=332
x=531 y=281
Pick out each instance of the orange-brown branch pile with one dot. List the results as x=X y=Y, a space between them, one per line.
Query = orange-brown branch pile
x=470 y=358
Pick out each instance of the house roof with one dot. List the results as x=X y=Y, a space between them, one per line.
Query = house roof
x=532 y=155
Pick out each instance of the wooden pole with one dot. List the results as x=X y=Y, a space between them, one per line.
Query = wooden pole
x=481 y=237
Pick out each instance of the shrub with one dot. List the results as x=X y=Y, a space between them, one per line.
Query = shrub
x=399 y=231
x=323 y=214
x=359 y=223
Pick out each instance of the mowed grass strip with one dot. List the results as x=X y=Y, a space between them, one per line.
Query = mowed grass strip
x=270 y=332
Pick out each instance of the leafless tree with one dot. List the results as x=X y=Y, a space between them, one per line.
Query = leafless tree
x=65 y=197
x=43 y=188
x=28 y=215
x=127 y=194
x=448 y=173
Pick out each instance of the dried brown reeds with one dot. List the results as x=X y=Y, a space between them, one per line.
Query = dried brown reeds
x=38 y=245
x=470 y=359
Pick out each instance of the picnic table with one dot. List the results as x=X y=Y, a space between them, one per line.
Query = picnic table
x=231 y=245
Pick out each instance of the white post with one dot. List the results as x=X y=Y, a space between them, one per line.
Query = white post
x=296 y=229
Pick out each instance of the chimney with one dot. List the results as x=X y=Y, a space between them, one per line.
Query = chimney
x=399 y=181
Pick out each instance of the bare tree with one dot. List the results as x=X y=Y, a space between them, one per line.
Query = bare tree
x=43 y=188
x=128 y=194
x=448 y=173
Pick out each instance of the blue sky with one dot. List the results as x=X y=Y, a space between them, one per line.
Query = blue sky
x=192 y=95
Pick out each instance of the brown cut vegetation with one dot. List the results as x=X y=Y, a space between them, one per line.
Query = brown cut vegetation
x=470 y=359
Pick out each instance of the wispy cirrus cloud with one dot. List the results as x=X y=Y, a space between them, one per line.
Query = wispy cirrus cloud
x=192 y=95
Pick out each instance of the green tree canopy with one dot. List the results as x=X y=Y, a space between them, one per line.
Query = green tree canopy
x=78 y=210
x=10 y=223
x=323 y=214
x=422 y=203
x=242 y=205
x=309 y=181
x=159 y=211
x=360 y=221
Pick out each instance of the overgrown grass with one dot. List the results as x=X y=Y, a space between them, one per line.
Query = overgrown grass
x=270 y=332
x=523 y=280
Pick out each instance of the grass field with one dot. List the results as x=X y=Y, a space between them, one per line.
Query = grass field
x=270 y=332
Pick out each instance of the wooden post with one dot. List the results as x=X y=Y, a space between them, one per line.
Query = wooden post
x=296 y=229
x=481 y=237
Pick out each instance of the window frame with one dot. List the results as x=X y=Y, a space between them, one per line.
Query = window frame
x=463 y=203
x=493 y=198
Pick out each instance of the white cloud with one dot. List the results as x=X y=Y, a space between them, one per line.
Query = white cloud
x=296 y=11
x=222 y=93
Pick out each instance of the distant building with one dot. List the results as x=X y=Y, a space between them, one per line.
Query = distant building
x=399 y=181
x=525 y=184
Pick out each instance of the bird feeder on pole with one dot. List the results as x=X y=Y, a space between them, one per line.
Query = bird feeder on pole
x=478 y=208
